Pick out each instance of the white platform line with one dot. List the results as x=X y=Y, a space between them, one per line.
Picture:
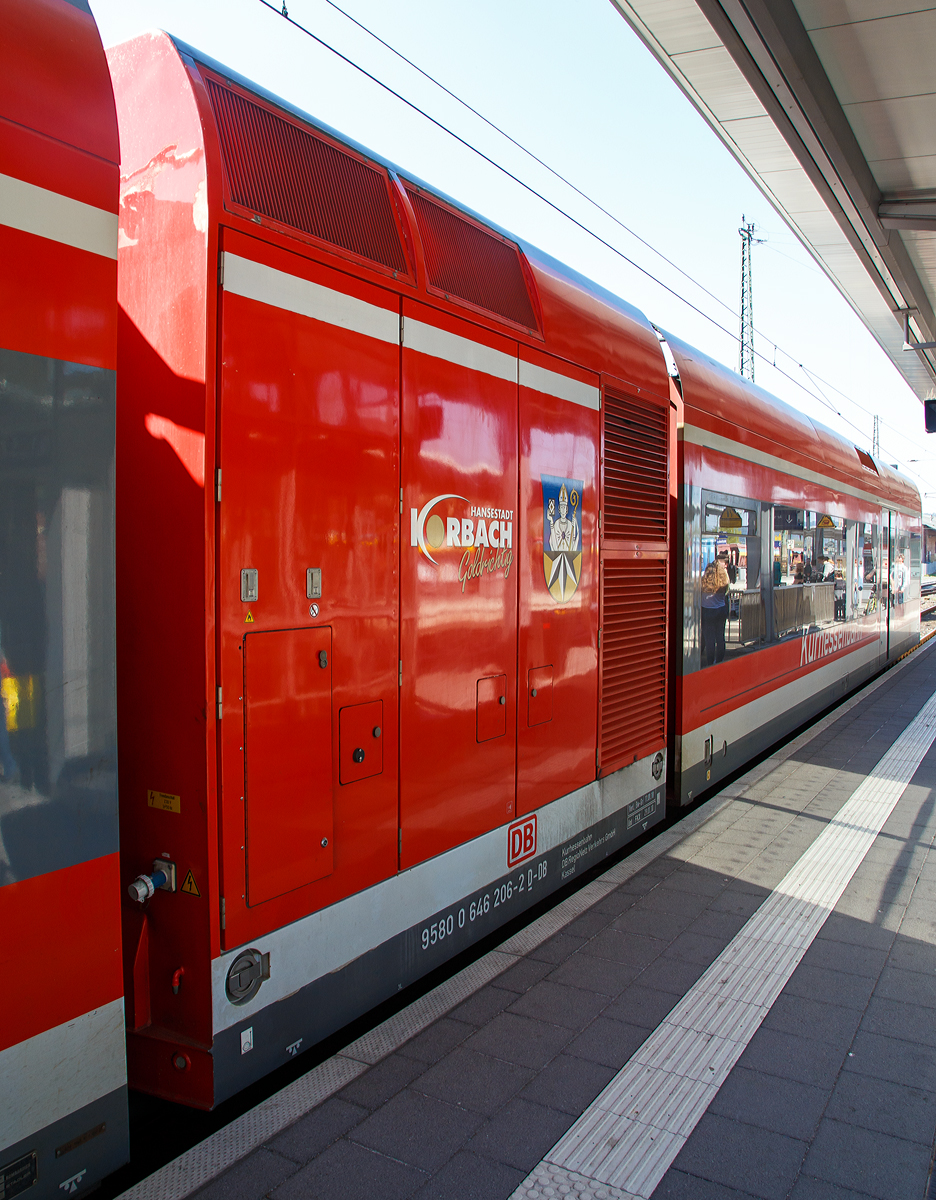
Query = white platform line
x=626 y=1140
x=223 y=1149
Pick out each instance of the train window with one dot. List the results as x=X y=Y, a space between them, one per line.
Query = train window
x=763 y=573
x=901 y=575
x=819 y=569
x=732 y=618
x=867 y=568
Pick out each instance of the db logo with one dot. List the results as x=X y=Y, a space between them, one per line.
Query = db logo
x=521 y=841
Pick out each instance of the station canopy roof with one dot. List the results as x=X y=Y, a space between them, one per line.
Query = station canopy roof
x=830 y=106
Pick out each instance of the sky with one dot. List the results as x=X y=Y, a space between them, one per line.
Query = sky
x=570 y=82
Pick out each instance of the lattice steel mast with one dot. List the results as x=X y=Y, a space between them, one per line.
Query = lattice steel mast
x=747 y=301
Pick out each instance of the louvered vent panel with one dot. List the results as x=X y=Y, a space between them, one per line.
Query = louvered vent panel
x=636 y=490
x=290 y=175
x=465 y=261
x=633 y=659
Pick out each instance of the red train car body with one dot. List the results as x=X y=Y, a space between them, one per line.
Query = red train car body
x=63 y=1122
x=393 y=529
x=825 y=546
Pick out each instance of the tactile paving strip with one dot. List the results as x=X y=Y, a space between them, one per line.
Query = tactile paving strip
x=627 y=1139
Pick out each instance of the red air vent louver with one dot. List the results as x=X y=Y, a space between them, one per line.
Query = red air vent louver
x=636 y=480
x=282 y=171
x=633 y=556
x=472 y=264
x=633 y=659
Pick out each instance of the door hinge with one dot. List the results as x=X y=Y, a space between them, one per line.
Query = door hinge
x=221 y=269
x=401 y=672
x=401 y=329
x=400 y=842
x=599 y=639
x=219 y=704
x=401 y=502
x=223 y=917
x=218 y=485
x=599 y=520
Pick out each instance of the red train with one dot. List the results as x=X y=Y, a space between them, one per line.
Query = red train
x=433 y=578
x=63 y=1104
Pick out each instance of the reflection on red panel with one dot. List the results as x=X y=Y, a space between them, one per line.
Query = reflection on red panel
x=55 y=166
x=458 y=592
x=53 y=75
x=309 y=429
x=53 y=988
x=558 y=593
x=288 y=760
x=56 y=301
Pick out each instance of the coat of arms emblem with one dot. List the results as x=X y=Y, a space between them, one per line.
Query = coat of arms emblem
x=562 y=535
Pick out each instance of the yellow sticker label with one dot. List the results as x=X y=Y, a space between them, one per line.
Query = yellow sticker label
x=730 y=519
x=826 y=523
x=189 y=885
x=164 y=800
x=248 y=620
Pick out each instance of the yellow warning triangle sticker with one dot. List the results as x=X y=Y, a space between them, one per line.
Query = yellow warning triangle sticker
x=248 y=620
x=189 y=885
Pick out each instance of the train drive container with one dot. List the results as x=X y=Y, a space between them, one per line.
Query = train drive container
x=393 y=531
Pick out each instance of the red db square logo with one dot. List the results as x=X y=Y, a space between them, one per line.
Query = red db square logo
x=521 y=841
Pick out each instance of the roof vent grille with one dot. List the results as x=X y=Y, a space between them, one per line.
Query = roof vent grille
x=470 y=263
x=866 y=460
x=283 y=171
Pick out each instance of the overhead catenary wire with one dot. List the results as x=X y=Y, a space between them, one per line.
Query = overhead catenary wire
x=600 y=208
x=281 y=11
x=496 y=165
x=530 y=154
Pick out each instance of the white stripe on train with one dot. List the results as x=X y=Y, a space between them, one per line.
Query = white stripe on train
x=60 y=1070
x=46 y=214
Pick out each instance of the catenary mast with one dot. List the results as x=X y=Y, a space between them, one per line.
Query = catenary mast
x=747 y=301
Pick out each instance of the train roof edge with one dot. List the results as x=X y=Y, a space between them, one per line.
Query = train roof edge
x=824 y=445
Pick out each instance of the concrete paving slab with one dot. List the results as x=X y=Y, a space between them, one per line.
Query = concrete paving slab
x=469 y=1176
x=417 y=1130
x=521 y=1134
x=474 y=1081
x=318 y=1129
x=348 y=1171
x=898 y=1109
x=780 y=1105
x=883 y=1166
x=521 y=1040
x=744 y=1157
x=603 y=975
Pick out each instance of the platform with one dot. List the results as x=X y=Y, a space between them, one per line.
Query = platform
x=745 y=1007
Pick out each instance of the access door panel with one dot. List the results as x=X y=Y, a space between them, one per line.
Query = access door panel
x=558 y=659
x=309 y=505
x=288 y=760
x=458 y=583
x=492 y=708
